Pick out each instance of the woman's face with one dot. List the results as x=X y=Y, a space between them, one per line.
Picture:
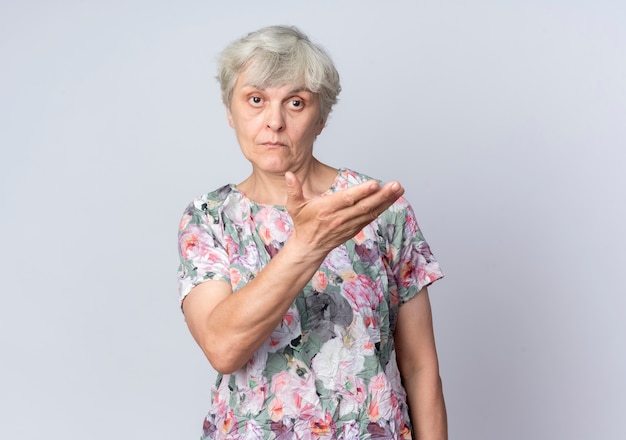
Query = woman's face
x=275 y=126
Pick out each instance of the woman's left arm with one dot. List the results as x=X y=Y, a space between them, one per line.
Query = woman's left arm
x=419 y=368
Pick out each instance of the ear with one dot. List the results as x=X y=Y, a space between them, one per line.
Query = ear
x=229 y=115
x=320 y=126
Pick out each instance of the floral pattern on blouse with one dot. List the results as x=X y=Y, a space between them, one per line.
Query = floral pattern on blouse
x=329 y=369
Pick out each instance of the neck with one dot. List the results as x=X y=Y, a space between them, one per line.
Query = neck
x=270 y=188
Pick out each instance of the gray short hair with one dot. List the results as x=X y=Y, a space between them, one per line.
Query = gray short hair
x=279 y=55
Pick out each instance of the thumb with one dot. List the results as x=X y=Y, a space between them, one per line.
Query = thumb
x=295 y=197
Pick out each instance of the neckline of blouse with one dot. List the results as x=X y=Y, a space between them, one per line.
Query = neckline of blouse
x=330 y=190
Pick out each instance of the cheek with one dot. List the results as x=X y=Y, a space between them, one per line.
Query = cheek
x=317 y=126
x=246 y=127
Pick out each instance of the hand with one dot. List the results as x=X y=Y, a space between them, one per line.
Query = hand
x=326 y=222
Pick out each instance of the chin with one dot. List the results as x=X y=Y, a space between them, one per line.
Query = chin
x=274 y=167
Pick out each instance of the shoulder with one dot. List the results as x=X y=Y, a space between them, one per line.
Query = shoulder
x=207 y=208
x=347 y=178
x=211 y=201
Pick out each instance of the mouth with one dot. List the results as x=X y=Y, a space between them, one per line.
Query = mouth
x=273 y=144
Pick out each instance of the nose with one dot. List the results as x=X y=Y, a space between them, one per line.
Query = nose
x=275 y=118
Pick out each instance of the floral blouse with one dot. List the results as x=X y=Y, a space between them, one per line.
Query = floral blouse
x=329 y=369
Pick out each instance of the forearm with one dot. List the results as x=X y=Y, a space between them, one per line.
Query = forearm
x=426 y=404
x=243 y=321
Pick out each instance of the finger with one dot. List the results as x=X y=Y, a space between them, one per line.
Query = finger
x=393 y=190
x=295 y=196
x=371 y=206
x=373 y=195
x=351 y=196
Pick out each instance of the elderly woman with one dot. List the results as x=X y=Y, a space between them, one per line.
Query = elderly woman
x=305 y=285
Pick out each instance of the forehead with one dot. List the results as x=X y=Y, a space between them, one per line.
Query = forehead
x=251 y=78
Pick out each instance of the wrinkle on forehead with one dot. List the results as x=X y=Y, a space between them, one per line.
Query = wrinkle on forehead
x=274 y=75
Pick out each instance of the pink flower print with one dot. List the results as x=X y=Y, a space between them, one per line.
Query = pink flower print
x=184 y=222
x=401 y=203
x=405 y=432
x=208 y=428
x=342 y=183
x=373 y=411
x=393 y=376
x=250 y=259
x=194 y=245
x=192 y=242
x=232 y=247
x=383 y=403
x=368 y=253
x=253 y=431
x=280 y=382
x=350 y=431
x=228 y=425
x=275 y=409
x=378 y=383
x=282 y=430
x=354 y=393
x=367 y=234
x=370 y=321
x=319 y=281
x=252 y=391
x=413 y=266
x=296 y=394
x=287 y=330
x=370 y=324
x=224 y=420
x=266 y=234
x=235 y=277
x=273 y=225
x=410 y=227
x=322 y=427
x=254 y=368
x=306 y=401
x=361 y=237
x=333 y=360
x=366 y=246
x=254 y=399
x=394 y=298
x=235 y=212
x=392 y=252
x=361 y=339
x=379 y=432
x=362 y=292
x=407 y=273
x=220 y=401
x=338 y=261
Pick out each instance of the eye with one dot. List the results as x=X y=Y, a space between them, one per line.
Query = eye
x=255 y=101
x=296 y=103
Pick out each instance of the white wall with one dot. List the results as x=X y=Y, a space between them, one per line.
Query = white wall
x=506 y=121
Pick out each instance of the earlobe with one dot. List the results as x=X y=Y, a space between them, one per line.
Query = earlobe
x=320 y=127
x=229 y=115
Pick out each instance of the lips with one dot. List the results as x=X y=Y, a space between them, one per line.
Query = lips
x=273 y=144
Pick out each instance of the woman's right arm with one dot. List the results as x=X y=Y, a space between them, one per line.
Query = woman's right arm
x=229 y=327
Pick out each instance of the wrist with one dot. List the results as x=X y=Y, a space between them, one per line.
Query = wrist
x=304 y=253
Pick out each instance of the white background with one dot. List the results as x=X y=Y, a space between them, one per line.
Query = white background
x=505 y=120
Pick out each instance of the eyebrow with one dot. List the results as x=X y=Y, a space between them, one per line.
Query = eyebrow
x=291 y=92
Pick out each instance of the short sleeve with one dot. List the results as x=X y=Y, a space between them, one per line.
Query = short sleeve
x=201 y=248
x=412 y=263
